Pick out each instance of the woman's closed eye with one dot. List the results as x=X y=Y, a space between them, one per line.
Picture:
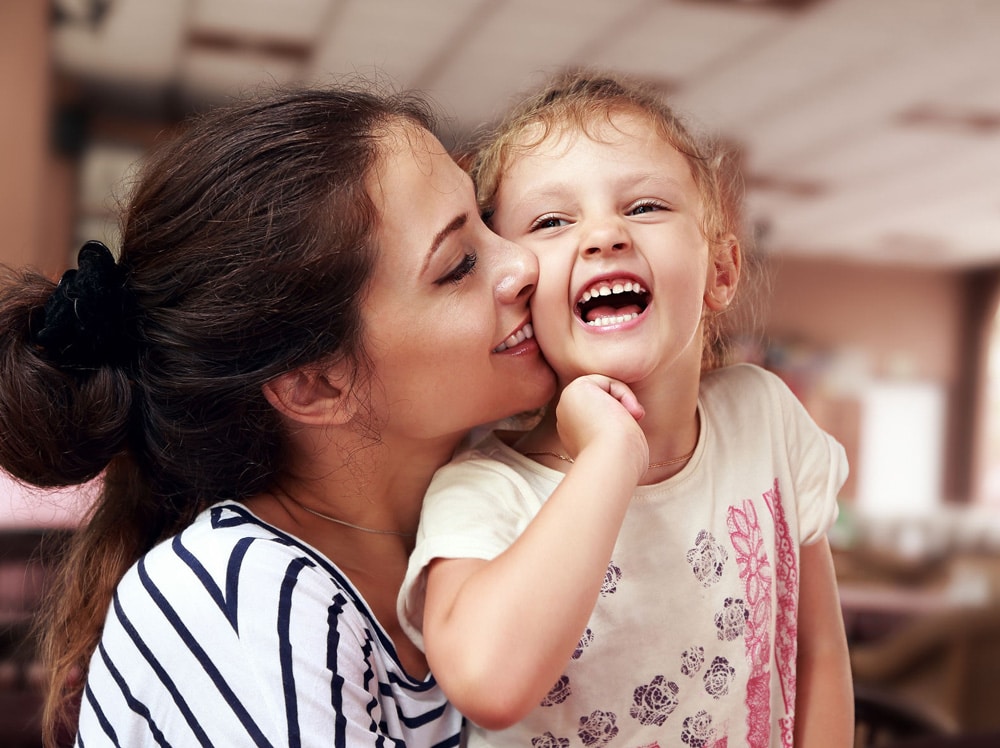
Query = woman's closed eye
x=458 y=273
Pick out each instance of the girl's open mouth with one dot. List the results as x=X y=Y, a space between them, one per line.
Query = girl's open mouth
x=612 y=302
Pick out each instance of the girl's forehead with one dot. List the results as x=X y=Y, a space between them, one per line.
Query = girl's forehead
x=555 y=136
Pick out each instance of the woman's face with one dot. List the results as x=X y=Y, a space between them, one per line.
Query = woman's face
x=446 y=317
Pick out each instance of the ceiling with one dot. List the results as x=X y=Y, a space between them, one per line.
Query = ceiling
x=871 y=128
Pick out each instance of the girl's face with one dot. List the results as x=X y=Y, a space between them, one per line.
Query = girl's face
x=446 y=312
x=624 y=269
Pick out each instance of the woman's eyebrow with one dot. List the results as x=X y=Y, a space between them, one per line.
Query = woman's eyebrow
x=457 y=223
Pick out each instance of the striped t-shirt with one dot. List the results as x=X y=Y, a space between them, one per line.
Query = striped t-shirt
x=233 y=633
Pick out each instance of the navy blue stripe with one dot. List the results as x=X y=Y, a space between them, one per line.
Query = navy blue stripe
x=337 y=680
x=422 y=719
x=160 y=671
x=253 y=731
x=285 y=648
x=374 y=726
x=450 y=742
x=134 y=704
x=324 y=563
x=233 y=578
x=228 y=602
x=101 y=718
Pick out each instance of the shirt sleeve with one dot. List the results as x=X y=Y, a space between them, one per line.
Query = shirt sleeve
x=475 y=507
x=818 y=464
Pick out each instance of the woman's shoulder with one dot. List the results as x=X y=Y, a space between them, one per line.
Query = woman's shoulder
x=227 y=551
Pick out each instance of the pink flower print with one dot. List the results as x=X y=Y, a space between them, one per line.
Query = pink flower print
x=585 y=641
x=707 y=558
x=692 y=659
x=654 y=702
x=612 y=577
x=697 y=730
x=559 y=693
x=731 y=620
x=718 y=677
x=548 y=740
x=598 y=729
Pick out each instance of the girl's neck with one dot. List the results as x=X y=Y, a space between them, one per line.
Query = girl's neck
x=671 y=427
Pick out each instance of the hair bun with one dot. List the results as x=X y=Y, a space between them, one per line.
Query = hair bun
x=82 y=322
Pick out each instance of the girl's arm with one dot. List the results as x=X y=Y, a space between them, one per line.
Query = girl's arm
x=498 y=633
x=824 y=701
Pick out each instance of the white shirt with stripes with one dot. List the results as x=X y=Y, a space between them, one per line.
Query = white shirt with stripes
x=233 y=633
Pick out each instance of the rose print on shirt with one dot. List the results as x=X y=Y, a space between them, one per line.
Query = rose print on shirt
x=559 y=693
x=654 y=702
x=612 y=577
x=691 y=660
x=585 y=641
x=548 y=740
x=707 y=558
x=697 y=730
x=718 y=676
x=731 y=620
x=598 y=729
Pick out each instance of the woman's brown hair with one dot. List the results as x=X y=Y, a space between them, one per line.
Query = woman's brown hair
x=245 y=247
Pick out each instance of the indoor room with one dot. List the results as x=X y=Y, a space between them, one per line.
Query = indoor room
x=868 y=136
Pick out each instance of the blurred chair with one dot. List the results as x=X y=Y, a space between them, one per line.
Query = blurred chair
x=945 y=665
x=26 y=557
x=882 y=719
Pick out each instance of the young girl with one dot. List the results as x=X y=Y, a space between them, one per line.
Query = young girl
x=688 y=501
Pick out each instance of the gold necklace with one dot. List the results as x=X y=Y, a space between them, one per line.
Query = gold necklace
x=664 y=463
x=357 y=527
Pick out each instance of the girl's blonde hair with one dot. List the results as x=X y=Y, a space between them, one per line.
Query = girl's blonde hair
x=584 y=101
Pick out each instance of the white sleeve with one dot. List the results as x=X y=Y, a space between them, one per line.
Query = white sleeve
x=474 y=508
x=818 y=463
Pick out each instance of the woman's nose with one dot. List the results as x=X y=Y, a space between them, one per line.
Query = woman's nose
x=518 y=273
x=604 y=234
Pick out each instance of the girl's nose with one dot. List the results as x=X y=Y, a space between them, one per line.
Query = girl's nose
x=518 y=272
x=605 y=234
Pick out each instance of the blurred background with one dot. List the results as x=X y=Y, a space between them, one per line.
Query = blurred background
x=869 y=131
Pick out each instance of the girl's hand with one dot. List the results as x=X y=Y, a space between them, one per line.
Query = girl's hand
x=600 y=413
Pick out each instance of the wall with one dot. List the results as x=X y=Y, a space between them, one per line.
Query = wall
x=36 y=188
x=907 y=321
x=895 y=325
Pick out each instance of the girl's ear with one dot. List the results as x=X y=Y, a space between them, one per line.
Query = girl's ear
x=723 y=274
x=314 y=396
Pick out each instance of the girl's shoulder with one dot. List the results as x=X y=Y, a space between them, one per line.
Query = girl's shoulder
x=744 y=384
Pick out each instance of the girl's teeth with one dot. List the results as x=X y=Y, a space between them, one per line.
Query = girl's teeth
x=605 y=290
x=612 y=320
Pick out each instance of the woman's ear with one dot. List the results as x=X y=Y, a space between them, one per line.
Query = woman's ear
x=723 y=274
x=315 y=396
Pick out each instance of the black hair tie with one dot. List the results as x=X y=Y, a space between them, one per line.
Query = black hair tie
x=82 y=327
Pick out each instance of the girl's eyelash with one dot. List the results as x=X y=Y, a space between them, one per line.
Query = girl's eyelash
x=648 y=204
x=539 y=223
x=464 y=268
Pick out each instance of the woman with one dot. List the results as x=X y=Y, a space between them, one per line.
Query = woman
x=306 y=317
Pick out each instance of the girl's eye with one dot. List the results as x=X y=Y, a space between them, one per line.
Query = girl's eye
x=547 y=222
x=464 y=268
x=646 y=206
